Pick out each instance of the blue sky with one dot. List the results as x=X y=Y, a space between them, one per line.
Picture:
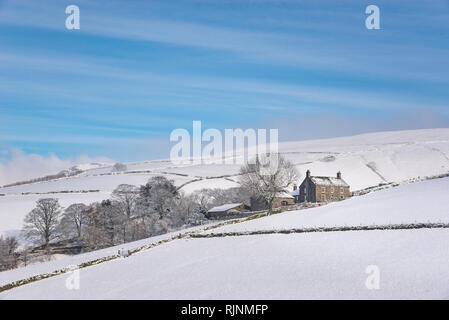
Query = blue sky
x=136 y=70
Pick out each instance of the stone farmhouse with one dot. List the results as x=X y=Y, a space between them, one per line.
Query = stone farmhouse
x=321 y=189
x=312 y=189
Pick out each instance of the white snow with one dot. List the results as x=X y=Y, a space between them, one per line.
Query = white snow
x=413 y=264
x=284 y=195
x=67 y=260
x=225 y=207
x=90 y=166
x=329 y=181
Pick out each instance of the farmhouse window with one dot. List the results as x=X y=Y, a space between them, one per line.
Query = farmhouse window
x=323 y=189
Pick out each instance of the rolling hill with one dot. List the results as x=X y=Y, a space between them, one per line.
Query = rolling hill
x=411 y=263
x=365 y=160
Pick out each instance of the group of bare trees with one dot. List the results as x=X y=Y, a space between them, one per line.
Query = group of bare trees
x=133 y=213
x=41 y=224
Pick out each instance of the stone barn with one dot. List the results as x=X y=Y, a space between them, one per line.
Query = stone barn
x=282 y=199
x=225 y=210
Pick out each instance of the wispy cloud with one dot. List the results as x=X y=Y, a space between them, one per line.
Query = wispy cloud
x=134 y=72
x=351 y=51
x=128 y=78
x=19 y=166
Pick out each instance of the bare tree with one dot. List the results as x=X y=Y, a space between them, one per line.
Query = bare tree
x=124 y=200
x=12 y=244
x=203 y=198
x=25 y=255
x=231 y=195
x=268 y=183
x=187 y=211
x=73 y=220
x=97 y=233
x=158 y=195
x=8 y=257
x=42 y=222
x=113 y=221
x=125 y=195
x=119 y=167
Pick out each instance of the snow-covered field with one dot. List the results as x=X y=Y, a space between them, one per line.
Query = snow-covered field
x=365 y=160
x=412 y=264
x=67 y=260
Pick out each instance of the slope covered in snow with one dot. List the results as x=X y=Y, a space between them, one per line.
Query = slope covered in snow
x=307 y=266
x=412 y=264
x=364 y=160
x=73 y=260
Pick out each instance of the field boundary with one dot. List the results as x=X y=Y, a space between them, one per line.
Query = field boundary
x=326 y=229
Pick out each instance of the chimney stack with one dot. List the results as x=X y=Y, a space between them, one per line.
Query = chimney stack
x=338 y=175
x=308 y=174
x=295 y=187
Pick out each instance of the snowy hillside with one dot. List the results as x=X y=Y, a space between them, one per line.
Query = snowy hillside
x=422 y=202
x=412 y=263
x=313 y=266
x=364 y=160
x=72 y=260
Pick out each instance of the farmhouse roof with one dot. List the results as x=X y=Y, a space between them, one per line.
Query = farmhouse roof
x=284 y=195
x=329 y=181
x=225 y=207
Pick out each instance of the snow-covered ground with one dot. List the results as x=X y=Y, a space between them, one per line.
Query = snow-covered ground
x=73 y=260
x=364 y=160
x=412 y=264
